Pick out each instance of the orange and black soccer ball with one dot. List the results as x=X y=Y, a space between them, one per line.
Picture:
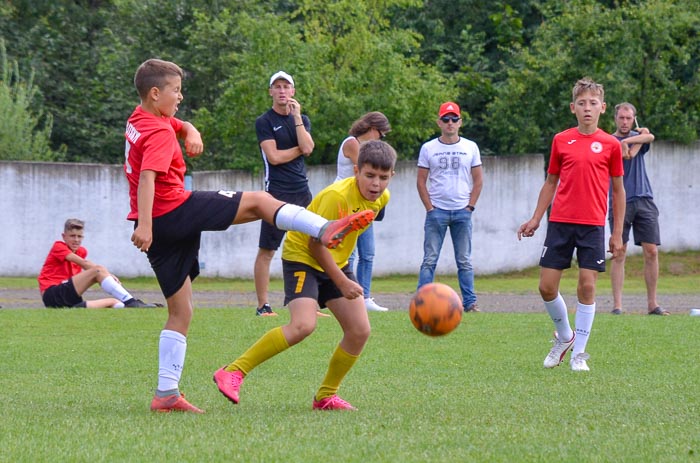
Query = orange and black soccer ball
x=435 y=309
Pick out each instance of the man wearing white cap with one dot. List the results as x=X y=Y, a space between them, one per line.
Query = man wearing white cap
x=284 y=135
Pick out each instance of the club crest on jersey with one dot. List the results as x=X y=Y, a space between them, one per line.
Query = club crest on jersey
x=596 y=147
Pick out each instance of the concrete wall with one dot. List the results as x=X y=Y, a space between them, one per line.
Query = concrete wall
x=36 y=198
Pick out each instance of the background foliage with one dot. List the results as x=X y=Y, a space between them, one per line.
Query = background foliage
x=509 y=64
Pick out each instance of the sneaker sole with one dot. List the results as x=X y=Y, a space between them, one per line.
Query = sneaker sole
x=177 y=410
x=187 y=408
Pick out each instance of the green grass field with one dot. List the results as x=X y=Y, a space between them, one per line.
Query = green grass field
x=680 y=273
x=76 y=386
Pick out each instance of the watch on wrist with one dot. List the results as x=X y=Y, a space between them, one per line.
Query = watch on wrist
x=470 y=207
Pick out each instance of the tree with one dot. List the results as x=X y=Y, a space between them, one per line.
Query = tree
x=509 y=64
x=24 y=133
x=472 y=42
x=346 y=60
x=646 y=54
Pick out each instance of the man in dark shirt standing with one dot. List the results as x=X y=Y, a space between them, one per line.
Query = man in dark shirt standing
x=285 y=139
x=641 y=213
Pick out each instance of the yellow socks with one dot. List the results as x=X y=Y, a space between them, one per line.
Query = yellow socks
x=340 y=364
x=270 y=344
x=273 y=342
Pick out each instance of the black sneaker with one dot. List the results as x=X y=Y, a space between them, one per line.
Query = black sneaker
x=265 y=311
x=133 y=302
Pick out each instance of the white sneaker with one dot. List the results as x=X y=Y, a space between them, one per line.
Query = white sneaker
x=556 y=355
x=578 y=362
x=373 y=306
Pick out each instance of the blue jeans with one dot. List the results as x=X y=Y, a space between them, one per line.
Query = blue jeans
x=460 y=223
x=365 y=249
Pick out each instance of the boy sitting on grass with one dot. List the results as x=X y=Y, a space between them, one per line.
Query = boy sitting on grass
x=314 y=275
x=66 y=275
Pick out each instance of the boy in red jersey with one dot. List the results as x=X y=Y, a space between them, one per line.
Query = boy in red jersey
x=67 y=274
x=583 y=160
x=169 y=220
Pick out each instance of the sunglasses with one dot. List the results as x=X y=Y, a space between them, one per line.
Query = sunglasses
x=447 y=119
x=381 y=134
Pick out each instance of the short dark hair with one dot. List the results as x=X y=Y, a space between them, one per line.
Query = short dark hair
x=378 y=154
x=153 y=73
x=73 y=224
x=371 y=120
x=625 y=105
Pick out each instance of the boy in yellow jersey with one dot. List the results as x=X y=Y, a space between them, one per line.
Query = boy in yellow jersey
x=315 y=275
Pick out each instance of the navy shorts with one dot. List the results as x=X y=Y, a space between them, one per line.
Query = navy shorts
x=62 y=295
x=642 y=216
x=563 y=238
x=271 y=236
x=301 y=280
x=174 y=253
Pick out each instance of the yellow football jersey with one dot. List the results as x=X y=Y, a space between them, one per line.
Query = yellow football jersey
x=337 y=200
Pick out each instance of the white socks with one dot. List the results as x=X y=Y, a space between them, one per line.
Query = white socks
x=584 y=321
x=297 y=218
x=171 y=359
x=111 y=287
x=557 y=312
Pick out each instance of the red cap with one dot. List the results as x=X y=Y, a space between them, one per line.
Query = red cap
x=449 y=108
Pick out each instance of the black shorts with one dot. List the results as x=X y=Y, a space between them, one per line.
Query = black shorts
x=301 y=280
x=271 y=236
x=642 y=216
x=174 y=253
x=62 y=295
x=563 y=238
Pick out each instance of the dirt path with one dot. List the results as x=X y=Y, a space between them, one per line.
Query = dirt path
x=679 y=303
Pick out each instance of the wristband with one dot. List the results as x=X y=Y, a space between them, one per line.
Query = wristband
x=298 y=125
x=470 y=207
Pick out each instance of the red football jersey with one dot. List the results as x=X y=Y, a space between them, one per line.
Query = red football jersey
x=584 y=164
x=57 y=269
x=152 y=144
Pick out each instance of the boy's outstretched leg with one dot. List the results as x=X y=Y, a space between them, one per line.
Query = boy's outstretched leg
x=256 y=205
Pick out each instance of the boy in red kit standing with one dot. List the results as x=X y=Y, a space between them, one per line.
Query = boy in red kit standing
x=582 y=162
x=169 y=220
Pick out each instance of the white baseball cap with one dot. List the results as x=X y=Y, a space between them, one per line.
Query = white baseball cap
x=281 y=75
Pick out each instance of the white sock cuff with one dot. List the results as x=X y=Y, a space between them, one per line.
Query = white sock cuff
x=585 y=308
x=285 y=215
x=554 y=300
x=108 y=283
x=174 y=335
x=292 y=217
x=114 y=288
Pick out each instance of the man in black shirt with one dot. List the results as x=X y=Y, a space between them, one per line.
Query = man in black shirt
x=285 y=139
